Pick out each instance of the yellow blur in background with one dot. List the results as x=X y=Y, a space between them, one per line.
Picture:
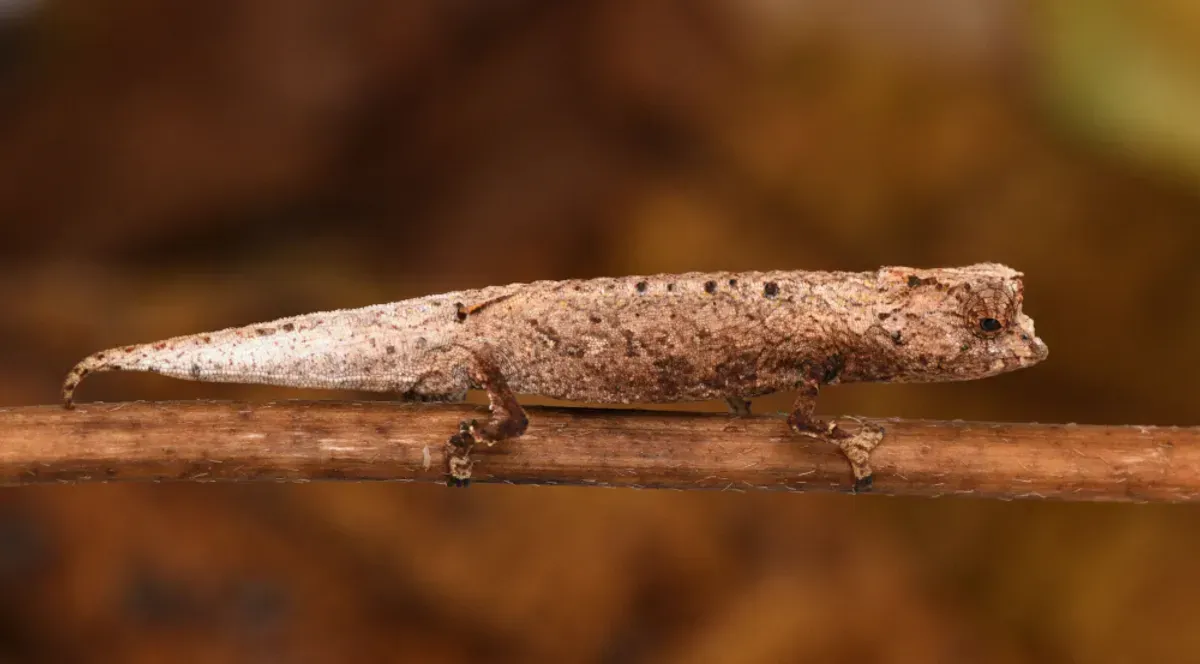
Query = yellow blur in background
x=168 y=168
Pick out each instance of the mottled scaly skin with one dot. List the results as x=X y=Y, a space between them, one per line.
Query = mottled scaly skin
x=660 y=338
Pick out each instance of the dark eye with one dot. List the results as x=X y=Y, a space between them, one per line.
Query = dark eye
x=989 y=324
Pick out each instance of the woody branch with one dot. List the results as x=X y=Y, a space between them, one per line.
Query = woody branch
x=298 y=441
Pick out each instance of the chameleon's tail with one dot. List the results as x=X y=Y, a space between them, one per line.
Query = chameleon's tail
x=237 y=354
x=301 y=351
x=194 y=357
x=127 y=358
x=180 y=357
x=92 y=363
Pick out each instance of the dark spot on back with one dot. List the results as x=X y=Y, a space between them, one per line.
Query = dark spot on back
x=710 y=287
x=884 y=315
x=733 y=283
x=195 y=371
x=914 y=281
x=206 y=339
x=99 y=356
x=159 y=346
x=391 y=350
x=594 y=318
x=642 y=286
x=771 y=289
x=264 y=331
x=288 y=327
x=896 y=338
x=670 y=287
x=460 y=311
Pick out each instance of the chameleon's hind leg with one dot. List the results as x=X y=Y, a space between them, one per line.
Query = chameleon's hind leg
x=856 y=447
x=738 y=405
x=507 y=420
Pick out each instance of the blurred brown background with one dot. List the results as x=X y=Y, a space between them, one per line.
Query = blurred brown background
x=168 y=168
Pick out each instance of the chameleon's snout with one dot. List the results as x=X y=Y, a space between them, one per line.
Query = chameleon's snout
x=1038 y=350
x=1030 y=350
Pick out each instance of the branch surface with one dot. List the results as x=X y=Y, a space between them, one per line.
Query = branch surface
x=300 y=441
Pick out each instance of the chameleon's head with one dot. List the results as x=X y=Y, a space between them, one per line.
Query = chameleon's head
x=957 y=323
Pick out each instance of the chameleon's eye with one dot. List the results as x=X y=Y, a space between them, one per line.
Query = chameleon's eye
x=989 y=311
x=990 y=325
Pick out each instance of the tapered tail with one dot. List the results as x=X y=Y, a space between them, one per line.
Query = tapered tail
x=347 y=349
x=90 y=364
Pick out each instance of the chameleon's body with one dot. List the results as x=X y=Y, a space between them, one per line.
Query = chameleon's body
x=652 y=339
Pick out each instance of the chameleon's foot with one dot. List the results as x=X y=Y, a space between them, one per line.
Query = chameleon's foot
x=863 y=485
x=458 y=456
x=458 y=466
x=857 y=449
x=465 y=438
x=507 y=420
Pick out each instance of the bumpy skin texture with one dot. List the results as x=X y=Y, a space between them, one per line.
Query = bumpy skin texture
x=655 y=339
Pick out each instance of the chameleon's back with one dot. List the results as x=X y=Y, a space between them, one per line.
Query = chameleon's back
x=653 y=339
x=710 y=335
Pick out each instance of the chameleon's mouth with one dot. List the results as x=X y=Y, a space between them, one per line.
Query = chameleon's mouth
x=1029 y=353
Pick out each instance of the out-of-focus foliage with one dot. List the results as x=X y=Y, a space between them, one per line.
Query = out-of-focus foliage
x=1126 y=76
x=168 y=168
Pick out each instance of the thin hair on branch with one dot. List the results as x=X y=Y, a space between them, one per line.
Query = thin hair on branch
x=302 y=441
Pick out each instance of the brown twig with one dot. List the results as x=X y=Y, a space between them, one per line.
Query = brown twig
x=297 y=441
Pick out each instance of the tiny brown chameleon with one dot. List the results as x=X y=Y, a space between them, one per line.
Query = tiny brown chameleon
x=648 y=339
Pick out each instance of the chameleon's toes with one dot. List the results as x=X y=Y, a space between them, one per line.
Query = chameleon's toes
x=863 y=484
x=463 y=439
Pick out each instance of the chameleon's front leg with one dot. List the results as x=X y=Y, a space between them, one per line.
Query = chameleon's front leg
x=855 y=446
x=507 y=420
x=738 y=405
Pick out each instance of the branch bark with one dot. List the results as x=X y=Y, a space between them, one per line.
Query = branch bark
x=300 y=441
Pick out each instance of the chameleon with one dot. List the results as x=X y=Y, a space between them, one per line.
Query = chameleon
x=638 y=339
